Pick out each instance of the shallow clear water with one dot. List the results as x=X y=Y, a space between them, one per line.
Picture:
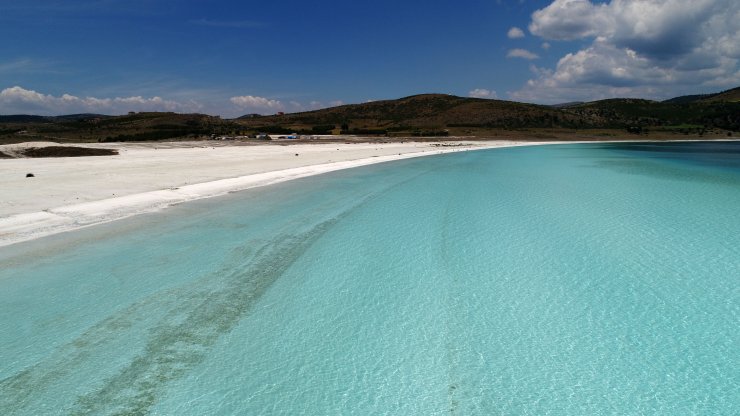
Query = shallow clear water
x=569 y=279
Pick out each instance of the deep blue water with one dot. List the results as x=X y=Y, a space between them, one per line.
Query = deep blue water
x=564 y=279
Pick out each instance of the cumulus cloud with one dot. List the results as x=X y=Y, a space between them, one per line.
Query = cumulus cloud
x=656 y=27
x=482 y=93
x=567 y=20
x=257 y=104
x=653 y=49
x=265 y=105
x=515 y=33
x=20 y=100
x=521 y=53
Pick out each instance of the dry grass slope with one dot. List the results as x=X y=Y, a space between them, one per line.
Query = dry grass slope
x=418 y=115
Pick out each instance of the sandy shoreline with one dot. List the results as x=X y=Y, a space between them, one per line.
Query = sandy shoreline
x=71 y=193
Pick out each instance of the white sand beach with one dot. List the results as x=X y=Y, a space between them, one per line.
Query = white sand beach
x=67 y=193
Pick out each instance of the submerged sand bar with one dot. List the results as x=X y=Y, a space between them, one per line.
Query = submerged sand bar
x=70 y=193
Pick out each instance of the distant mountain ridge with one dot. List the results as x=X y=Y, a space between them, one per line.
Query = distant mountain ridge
x=417 y=115
x=143 y=126
x=424 y=111
x=434 y=112
x=26 y=118
x=727 y=95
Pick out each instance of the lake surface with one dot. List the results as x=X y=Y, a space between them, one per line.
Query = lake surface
x=565 y=279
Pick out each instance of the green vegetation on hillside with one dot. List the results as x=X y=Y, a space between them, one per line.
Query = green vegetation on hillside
x=728 y=95
x=622 y=113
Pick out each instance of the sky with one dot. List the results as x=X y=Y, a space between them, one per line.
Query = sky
x=231 y=57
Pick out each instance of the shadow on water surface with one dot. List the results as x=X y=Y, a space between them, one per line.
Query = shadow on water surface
x=677 y=161
x=179 y=325
x=692 y=147
x=713 y=153
x=197 y=315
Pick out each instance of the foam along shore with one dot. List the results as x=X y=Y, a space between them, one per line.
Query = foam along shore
x=70 y=193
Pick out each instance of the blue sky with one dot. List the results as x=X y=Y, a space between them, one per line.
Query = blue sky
x=233 y=57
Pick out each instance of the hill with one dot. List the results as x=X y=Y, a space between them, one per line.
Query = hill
x=418 y=115
x=24 y=118
x=430 y=113
x=636 y=113
x=731 y=95
x=99 y=128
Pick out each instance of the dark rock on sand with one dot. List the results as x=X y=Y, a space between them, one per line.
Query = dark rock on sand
x=67 y=151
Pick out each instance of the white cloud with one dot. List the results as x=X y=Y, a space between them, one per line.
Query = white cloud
x=521 y=53
x=653 y=49
x=655 y=27
x=20 y=100
x=265 y=105
x=515 y=33
x=256 y=104
x=567 y=20
x=545 y=45
x=482 y=93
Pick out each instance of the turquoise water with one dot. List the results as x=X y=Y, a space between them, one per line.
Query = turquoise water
x=568 y=279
